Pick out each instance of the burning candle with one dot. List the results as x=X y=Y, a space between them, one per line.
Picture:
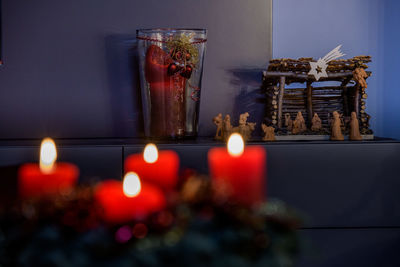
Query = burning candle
x=47 y=177
x=129 y=200
x=240 y=171
x=160 y=168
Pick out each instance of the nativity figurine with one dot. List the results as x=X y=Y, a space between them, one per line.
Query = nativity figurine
x=359 y=75
x=227 y=128
x=316 y=123
x=217 y=120
x=245 y=128
x=288 y=122
x=336 y=130
x=354 y=128
x=269 y=132
x=299 y=125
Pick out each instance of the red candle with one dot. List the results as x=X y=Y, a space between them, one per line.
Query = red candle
x=160 y=168
x=47 y=177
x=241 y=172
x=130 y=200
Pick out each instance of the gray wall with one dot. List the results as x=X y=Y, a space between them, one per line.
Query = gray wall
x=69 y=68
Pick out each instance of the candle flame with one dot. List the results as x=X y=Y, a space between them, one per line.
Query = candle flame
x=235 y=145
x=131 y=184
x=48 y=155
x=150 y=154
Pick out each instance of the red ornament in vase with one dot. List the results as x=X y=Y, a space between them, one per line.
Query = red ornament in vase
x=171 y=63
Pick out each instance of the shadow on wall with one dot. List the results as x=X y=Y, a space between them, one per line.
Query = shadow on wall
x=247 y=82
x=124 y=84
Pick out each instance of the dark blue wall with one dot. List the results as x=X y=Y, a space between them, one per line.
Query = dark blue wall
x=391 y=69
x=69 y=65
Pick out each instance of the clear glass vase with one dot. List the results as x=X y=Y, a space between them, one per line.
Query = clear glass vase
x=171 y=69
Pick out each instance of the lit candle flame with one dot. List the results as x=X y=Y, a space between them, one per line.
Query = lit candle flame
x=150 y=154
x=48 y=155
x=235 y=145
x=131 y=184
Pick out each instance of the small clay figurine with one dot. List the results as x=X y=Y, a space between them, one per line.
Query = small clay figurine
x=354 y=128
x=226 y=127
x=288 y=122
x=243 y=118
x=316 y=123
x=245 y=128
x=242 y=123
x=299 y=125
x=250 y=127
x=359 y=75
x=269 y=132
x=336 y=134
x=217 y=120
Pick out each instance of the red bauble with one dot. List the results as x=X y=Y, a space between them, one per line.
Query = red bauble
x=173 y=68
x=187 y=72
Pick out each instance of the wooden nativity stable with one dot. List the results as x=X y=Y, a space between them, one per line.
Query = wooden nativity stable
x=290 y=89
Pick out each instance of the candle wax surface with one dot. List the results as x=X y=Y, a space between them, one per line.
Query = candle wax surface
x=163 y=172
x=245 y=175
x=32 y=182
x=118 y=208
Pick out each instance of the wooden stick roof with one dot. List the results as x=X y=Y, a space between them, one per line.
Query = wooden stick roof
x=302 y=65
x=296 y=70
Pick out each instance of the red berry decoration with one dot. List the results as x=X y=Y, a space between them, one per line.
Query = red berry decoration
x=187 y=72
x=188 y=56
x=172 y=69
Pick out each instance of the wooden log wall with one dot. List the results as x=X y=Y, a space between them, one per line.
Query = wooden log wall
x=324 y=100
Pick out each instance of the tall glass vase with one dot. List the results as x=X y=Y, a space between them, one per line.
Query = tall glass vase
x=171 y=69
